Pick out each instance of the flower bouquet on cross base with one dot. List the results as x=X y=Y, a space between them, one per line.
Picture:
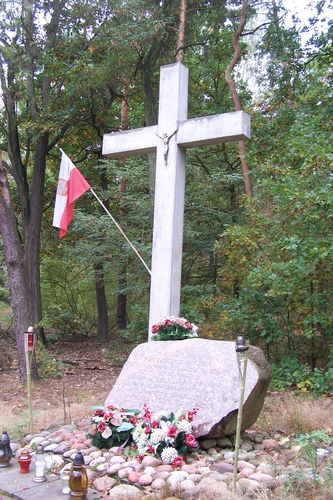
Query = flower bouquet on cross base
x=173 y=328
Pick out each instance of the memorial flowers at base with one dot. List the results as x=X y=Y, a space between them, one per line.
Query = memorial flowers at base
x=168 y=436
x=173 y=328
x=112 y=427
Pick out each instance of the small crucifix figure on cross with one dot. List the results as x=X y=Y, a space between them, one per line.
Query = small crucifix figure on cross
x=165 y=138
x=170 y=176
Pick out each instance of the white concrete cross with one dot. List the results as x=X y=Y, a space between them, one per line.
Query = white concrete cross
x=170 y=138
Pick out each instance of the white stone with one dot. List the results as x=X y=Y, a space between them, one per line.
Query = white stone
x=37 y=440
x=96 y=461
x=186 y=484
x=122 y=473
x=122 y=491
x=158 y=484
x=117 y=460
x=145 y=479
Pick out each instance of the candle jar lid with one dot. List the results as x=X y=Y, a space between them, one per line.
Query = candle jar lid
x=79 y=459
x=25 y=455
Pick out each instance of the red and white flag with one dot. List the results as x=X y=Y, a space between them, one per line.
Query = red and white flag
x=71 y=185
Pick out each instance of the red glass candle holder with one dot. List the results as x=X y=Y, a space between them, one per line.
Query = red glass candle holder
x=24 y=461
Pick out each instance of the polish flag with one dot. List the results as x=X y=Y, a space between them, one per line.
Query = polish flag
x=71 y=185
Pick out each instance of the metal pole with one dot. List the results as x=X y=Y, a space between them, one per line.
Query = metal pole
x=239 y=417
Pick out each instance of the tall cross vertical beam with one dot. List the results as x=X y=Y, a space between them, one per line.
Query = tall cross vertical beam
x=170 y=138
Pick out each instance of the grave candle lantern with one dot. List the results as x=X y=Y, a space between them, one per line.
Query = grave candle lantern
x=5 y=450
x=40 y=466
x=242 y=350
x=78 y=480
x=24 y=460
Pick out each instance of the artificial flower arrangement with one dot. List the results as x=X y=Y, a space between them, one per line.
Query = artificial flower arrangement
x=166 y=436
x=173 y=328
x=112 y=427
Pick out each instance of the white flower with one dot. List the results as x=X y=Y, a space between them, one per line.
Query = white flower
x=97 y=419
x=107 y=433
x=157 y=416
x=140 y=437
x=157 y=436
x=184 y=426
x=168 y=455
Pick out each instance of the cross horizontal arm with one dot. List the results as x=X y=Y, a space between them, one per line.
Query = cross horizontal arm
x=215 y=129
x=130 y=142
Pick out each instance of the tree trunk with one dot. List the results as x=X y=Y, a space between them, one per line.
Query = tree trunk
x=15 y=265
x=122 y=273
x=102 y=306
x=181 y=32
x=235 y=97
x=22 y=249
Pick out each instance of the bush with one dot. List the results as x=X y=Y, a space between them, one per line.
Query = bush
x=290 y=373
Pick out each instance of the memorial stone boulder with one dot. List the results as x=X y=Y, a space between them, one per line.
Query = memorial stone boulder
x=194 y=373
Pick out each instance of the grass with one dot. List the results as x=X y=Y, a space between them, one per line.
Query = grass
x=295 y=412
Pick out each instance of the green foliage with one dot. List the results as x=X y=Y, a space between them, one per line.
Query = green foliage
x=310 y=442
x=289 y=373
x=46 y=364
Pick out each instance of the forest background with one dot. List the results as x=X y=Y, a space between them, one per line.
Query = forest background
x=258 y=243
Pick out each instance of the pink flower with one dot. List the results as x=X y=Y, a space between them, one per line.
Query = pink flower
x=177 y=462
x=172 y=431
x=190 y=441
x=191 y=414
x=168 y=322
x=154 y=424
x=146 y=412
x=155 y=328
x=189 y=325
x=150 y=448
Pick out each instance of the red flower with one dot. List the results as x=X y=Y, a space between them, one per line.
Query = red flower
x=101 y=427
x=155 y=328
x=190 y=441
x=177 y=462
x=191 y=414
x=154 y=424
x=172 y=431
x=150 y=448
x=132 y=420
x=147 y=430
x=99 y=413
x=108 y=415
x=189 y=325
x=168 y=322
x=146 y=413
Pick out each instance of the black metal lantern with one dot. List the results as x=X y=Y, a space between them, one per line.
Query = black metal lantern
x=5 y=450
x=241 y=347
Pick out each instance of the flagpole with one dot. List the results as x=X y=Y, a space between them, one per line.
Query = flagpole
x=120 y=229
x=115 y=223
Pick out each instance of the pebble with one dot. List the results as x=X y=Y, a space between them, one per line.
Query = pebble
x=263 y=464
